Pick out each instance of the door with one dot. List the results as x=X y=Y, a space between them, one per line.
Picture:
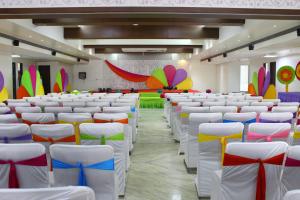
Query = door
x=46 y=77
x=17 y=71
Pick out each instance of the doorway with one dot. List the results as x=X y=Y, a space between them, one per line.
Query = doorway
x=45 y=76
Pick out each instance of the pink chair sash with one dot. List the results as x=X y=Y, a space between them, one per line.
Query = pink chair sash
x=291 y=162
x=268 y=138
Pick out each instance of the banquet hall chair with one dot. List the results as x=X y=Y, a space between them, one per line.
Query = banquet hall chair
x=75 y=119
x=109 y=134
x=191 y=147
x=276 y=117
x=38 y=118
x=15 y=133
x=85 y=165
x=250 y=171
x=212 y=141
x=245 y=118
x=5 y=110
x=268 y=132
x=291 y=171
x=9 y=118
x=23 y=166
x=223 y=109
x=68 y=192
x=20 y=110
x=131 y=117
x=91 y=110
x=184 y=123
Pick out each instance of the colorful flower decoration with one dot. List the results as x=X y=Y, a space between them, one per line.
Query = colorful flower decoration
x=298 y=71
x=261 y=86
x=31 y=84
x=286 y=75
x=3 y=90
x=169 y=76
x=62 y=82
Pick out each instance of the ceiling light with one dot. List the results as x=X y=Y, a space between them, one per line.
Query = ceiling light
x=30 y=36
x=42 y=40
x=15 y=56
x=80 y=26
x=270 y=56
x=135 y=24
x=274 y=26
x=202 y=26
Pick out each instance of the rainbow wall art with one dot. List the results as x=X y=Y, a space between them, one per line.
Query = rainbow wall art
x=31 y=84
x=62 y=83
x=168 y=76
x=3 y=90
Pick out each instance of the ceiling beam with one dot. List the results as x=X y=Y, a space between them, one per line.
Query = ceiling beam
x=141 y=32
x=119 y=50
x=140 y=46
x=140 y=21
x=142 y=12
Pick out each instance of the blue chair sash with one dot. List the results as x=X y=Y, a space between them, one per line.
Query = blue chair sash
x=244 y=122
x=19 y=138
x=104 y=165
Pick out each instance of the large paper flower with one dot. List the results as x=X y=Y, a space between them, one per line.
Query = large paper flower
x=169 y=77
x=31 y=84
x=62 y=82
x=298 y=71
x=286 y=74
x=3 y=91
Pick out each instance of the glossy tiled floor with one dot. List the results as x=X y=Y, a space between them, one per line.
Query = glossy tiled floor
x=157 y=171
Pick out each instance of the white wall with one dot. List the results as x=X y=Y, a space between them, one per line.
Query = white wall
x=203 y=75
x=6 y=69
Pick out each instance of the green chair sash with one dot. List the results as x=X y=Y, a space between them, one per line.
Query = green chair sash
x=103 y=138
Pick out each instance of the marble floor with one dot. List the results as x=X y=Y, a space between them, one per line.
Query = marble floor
x=157 y=171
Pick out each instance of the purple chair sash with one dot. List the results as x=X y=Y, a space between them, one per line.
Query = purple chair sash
x=274 y=121
x=290 y=162
x=19 y=138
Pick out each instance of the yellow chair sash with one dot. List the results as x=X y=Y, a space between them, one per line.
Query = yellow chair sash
x=76 y=127
x=184 y=115
x=222 y=138
x=296 y=135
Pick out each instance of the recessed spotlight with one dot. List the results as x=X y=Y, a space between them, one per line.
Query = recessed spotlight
x=249 y=36
x=270 y=56
x=239 y=40
x=135 y=24
x=202 y=26
x=15 y=56
x=274 y=26
x=30 y=36
x=42 y=40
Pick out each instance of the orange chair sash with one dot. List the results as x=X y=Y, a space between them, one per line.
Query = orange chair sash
x=123 y=121
x=38 y=138
x=30 y=122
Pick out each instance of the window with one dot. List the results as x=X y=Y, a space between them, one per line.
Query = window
x=244 y=78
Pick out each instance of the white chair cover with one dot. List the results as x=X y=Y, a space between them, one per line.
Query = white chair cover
x=191 y=147
x=8 y=118
x=97 y=104
x=15 y=133
x=264 y=103
x=107 y=130
x=275 y=101
x=210 y=152
x=101 y=181
x=38 y=118
x=274 y=117
x=20 y=110
x=223 y=109
x=57 y=110
x=2 y=105
x=17 y=104
x=239 y=104
x=292 y=195
x=74 y=104
x=288 y=104
x=256 y=98
x=74 y=117
x=184 y=123
x=5 y=110
x=131 y=116
x=214 y=103
x=16 y=100
x=268 y=129
x=91 y=110
x=257 y=109
x=44 y=104
x=114 y=117
x=69 y=192
x=292 y=109
x=28 y=176
x=236 y=182
x=291 y=171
